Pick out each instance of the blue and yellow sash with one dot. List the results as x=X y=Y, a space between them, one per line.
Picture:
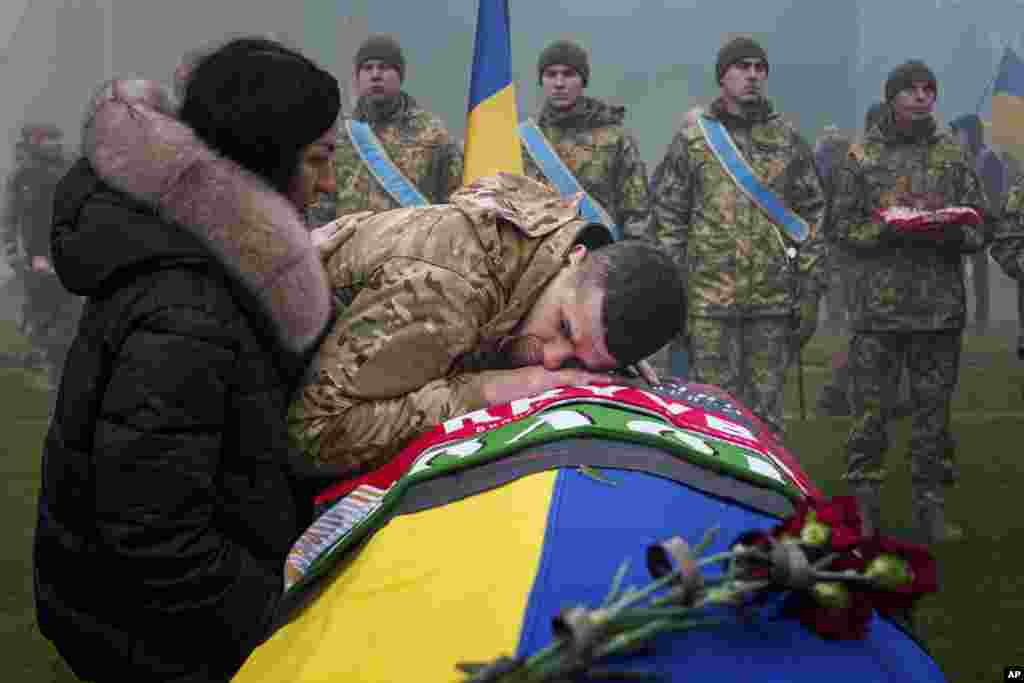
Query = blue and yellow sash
x=789 y=224
x=371 y=151
x=555 y=170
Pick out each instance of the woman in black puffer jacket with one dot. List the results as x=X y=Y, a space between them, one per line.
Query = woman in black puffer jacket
x=168 y=502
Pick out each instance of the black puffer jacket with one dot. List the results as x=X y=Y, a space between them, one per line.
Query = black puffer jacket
x=168 y=502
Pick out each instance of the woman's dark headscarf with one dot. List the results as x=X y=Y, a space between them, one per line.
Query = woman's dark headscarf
x=260 y=103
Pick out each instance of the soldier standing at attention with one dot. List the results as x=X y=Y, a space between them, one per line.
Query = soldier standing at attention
x=578 y=143
x=738 y=202
x=908 y=207
x=391 y=152
x=1008 y=250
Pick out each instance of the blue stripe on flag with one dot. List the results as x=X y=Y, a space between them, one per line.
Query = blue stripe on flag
x=492 y=52
x=594 y=526
x=1011 y=75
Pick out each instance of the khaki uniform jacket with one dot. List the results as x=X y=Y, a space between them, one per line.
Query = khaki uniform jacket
x=419 y=292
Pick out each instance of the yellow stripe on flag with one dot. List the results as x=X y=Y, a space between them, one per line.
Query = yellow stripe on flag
x=492 y=130
x=429 y=590
x=492 y=137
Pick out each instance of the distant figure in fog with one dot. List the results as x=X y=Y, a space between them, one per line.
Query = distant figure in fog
x=995 y=178
x=830 y=150
x=49 y=313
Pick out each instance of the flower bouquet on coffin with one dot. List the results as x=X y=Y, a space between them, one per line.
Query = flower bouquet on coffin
x=832 y=577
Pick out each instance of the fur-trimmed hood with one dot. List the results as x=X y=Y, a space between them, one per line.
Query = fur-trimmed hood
x=134 y=144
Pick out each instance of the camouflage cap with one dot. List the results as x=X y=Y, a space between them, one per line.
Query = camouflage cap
x=530 y=205
x=568 y=53
x=740 y=47
x=905 y=75
x=382 y=47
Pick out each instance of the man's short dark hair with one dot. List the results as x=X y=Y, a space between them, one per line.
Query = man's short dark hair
x=644 y=303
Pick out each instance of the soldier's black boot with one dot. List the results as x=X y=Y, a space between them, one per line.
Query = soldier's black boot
x=833 y=402
x=869 y=501
x=930 y=519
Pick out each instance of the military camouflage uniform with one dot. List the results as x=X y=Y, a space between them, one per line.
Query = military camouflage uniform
x=1008 y=248
x=604 y=157
x=743 y=289
x=424 y=294
x=50 y=313
x=829 y=151
x=908 y=300
x=418 y=144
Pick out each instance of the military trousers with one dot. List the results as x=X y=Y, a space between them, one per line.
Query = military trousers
x=50 y=318
x=747 y=357
x=877 y=361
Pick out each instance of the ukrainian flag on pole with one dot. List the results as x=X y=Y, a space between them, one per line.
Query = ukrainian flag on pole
x=492 y=137
x=1008 y=101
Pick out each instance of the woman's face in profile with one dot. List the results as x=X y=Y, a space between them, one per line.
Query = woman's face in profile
x=316 y=170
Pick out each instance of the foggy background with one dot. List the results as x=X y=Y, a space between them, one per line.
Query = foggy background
x=828 y=57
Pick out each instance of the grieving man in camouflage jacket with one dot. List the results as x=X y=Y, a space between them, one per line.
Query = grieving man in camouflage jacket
x=752 y=301
x=502 y=294
x=589 y=138
x=415 y=140
x=908 y=304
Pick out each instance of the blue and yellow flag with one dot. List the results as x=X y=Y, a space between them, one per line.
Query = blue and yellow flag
x=1008 y=101
x=492 y=140
x=496 y=521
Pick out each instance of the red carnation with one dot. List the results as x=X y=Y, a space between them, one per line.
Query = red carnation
x=840 y=515
x=904 y=573
x=848 y=622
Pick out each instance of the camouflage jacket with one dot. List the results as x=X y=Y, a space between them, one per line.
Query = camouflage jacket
x=734 y=258
x=899 y=283
x=419 y=145
x=1008 y=242
x=420 y=293
x=592 y=143
x=28 y=207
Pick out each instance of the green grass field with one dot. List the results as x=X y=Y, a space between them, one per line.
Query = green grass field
x=970 y=626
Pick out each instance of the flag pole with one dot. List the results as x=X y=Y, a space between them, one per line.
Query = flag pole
x=991 y=83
